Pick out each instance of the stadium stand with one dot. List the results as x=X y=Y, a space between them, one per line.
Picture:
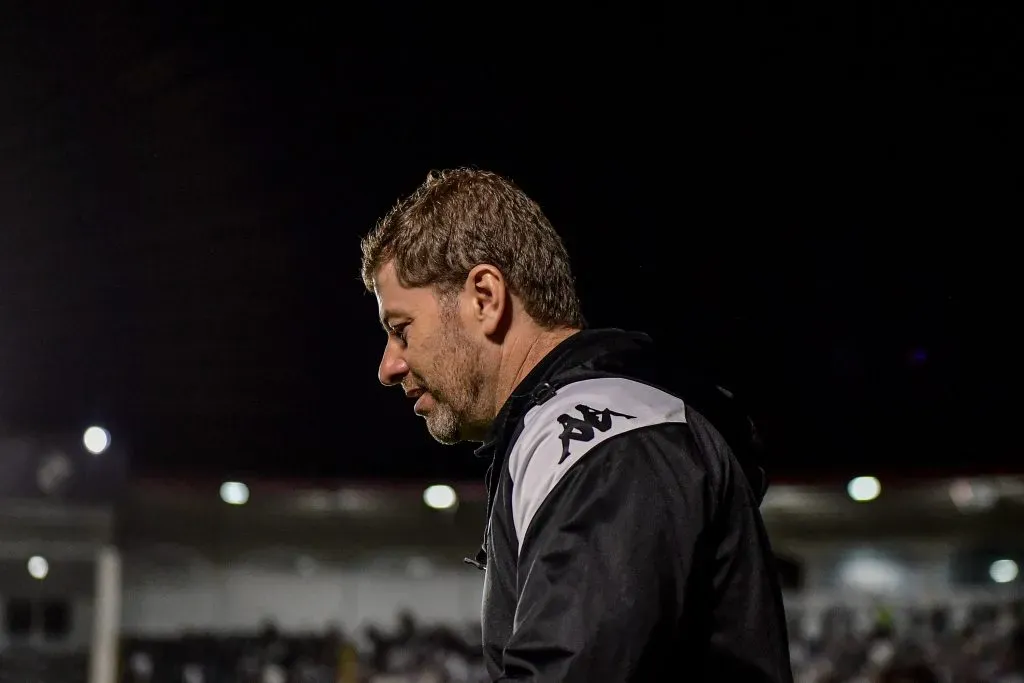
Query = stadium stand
x=899 y=591
x=848 y=646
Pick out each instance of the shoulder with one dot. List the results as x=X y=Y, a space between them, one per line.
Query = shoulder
x=560 y=432
x=584 y=414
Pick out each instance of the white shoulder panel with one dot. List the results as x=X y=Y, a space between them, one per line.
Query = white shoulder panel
x=562 y=430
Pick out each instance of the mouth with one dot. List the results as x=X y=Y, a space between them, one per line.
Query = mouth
x=422 y=401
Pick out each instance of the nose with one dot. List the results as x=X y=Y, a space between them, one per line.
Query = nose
x=393 y=367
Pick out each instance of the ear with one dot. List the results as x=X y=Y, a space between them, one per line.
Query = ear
x=487 y=295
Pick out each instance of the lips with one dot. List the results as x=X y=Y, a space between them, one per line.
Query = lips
x=421 y=403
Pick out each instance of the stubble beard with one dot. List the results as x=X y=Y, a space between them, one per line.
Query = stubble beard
x=458 y=400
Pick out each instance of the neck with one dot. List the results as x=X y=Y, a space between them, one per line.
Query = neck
x=522 y=355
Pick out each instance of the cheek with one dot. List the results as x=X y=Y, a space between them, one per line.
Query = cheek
x=440 y=369
x=421 y=363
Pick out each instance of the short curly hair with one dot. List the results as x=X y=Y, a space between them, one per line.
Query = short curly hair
x=461 y=218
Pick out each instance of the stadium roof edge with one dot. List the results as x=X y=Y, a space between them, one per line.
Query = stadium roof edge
x=281 y=484
x=470 y=488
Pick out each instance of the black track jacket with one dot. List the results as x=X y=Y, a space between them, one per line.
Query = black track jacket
x=624 y=541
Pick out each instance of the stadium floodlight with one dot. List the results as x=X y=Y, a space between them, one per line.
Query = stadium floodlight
x=96 y=440
x=38 y=567
x=440 y=497
x=234 y=493
x=1003 y=571
x=864 y=489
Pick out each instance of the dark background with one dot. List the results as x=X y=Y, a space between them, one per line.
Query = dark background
x=815 y=206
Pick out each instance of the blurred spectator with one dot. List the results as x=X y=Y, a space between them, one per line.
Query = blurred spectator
x=848 y=646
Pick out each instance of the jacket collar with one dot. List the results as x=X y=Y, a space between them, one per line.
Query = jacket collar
x=585 y=350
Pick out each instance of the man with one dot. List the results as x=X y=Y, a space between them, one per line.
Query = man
x=624 y=541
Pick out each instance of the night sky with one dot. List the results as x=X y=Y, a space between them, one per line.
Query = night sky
x=815 y=207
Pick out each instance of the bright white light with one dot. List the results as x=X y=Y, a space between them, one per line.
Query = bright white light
x=234 y=493
x=96 y=440
x=872 y=574
x=864 y=489
x=440 y=497
x=1003 y=571
x=38 y=567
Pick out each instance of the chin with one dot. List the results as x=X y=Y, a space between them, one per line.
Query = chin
x=443 y=433
x=446 y=438
x=451 y=427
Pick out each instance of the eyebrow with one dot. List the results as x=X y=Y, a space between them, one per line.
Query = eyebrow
x=390 y=315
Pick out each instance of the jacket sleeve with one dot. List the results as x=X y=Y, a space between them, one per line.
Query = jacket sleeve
x=600 y=563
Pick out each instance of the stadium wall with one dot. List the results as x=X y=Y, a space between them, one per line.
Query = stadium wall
x=206 y=597
x=68 y=587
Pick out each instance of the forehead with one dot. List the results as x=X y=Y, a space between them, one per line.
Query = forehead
x=393 y=299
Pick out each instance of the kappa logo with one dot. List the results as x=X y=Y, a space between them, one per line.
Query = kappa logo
x=577 y=429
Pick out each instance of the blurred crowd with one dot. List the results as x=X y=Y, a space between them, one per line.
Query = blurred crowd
x=267 y=656
x=409 y=653
x=983 y=644
x=843 y=646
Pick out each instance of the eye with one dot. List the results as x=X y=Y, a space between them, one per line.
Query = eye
x=399 y=331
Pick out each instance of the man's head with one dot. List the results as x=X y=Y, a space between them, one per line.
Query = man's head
x=467 y=272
